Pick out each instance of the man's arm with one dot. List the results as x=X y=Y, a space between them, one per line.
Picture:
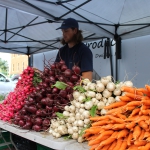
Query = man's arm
x=87 y=74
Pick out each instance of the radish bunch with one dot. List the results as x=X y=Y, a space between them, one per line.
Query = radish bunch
x=16 y=99
x=49 y=97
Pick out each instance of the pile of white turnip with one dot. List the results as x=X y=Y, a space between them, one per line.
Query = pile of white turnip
x=89 y=99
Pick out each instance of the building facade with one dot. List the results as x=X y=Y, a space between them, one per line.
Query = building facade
x=18 y=63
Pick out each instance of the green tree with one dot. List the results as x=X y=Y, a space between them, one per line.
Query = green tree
x=4 y=66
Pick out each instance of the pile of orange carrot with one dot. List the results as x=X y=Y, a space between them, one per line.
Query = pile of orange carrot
x=126 y=126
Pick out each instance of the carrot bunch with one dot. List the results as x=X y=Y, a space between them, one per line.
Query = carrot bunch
x=126 y=126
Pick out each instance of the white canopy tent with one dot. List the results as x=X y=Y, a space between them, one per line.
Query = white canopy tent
x=29 y=26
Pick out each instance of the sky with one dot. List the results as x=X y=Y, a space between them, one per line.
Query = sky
x=5 y=56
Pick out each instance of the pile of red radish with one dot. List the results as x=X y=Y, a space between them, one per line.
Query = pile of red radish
x=16 y=99
x=50 y=96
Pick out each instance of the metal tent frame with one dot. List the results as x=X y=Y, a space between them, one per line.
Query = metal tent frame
x=113 y=19
x=51 y=44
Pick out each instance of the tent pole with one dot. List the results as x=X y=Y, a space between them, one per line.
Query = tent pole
x=116 y=63
x=6 y=25
x=118 y=54
x=30 y=57
x=110 y=54
x=117 y=38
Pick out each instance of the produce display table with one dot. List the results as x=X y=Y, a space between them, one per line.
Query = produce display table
x=77 y=146
x=40 y=138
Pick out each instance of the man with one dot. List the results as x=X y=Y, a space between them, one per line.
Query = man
x=74 y=52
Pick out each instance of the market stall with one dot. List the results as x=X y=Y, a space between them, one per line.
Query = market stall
x=95 y=100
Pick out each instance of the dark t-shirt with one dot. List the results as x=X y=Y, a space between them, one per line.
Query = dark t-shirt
x=79 y=55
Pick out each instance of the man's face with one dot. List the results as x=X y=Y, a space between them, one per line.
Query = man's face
x=68 y=34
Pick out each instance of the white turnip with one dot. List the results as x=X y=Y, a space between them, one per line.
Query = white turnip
x=88 y=105
x=81 y=98
x=110 y=86
x=128 y=83
x=81 y=110
x=111 y=100
x=78 y=116
x=85 y=87
x=101 y=105
x=86 y=121
x=72 y=108
x=98 y=96
x=75 y=136
x=104 y=100
x=77 y=104
x=100 y=87
x=82 y=105
x=57 y=135
x=90 y=94
x=117 y=98
x=117 y=92
x=72 y=114
x=103 y=112
x=107 y=93
x=66 y=113
x=76 y=94
x=86 y=114
x=109 y=78
x=70 y=131
x=104 y=80
x=81 y=139
x=80 y=123
x=92 y=86
x=66 y=108
x=75 y=128
x=85 y=81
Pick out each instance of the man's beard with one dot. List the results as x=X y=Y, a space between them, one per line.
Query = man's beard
x=71 y=40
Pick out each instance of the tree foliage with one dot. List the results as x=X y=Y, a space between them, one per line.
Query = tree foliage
x=4 y=66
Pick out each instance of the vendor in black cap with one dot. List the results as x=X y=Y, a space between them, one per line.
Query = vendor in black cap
x=74 y=51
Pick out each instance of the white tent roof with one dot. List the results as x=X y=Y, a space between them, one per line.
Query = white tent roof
x=28 y=26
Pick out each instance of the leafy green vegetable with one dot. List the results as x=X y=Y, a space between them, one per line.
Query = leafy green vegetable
x=79 y=88
x=68 y=136
x=83 y=129
x=36 y=79
x=2 y=97
x=60 y=115
x=60 y=85
x=93 y=111
x=117 y=82
x=86 y=99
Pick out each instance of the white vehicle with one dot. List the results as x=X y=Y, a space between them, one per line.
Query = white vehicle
x=6 y=85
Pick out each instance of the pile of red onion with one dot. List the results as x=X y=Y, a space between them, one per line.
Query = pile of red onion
x=48 y=98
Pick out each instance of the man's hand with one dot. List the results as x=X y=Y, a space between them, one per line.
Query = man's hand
x=87 y=74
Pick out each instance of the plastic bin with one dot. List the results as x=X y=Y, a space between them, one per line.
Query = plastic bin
x=22 y=143
x=6 y=136
x=41 y=147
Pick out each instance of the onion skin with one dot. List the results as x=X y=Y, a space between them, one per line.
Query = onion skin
x=38 y=121
x=36 y=128
x=46 y=123
x=68 y=73
x=76 y=70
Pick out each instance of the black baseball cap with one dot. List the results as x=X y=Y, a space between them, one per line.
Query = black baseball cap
x=69 y=23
